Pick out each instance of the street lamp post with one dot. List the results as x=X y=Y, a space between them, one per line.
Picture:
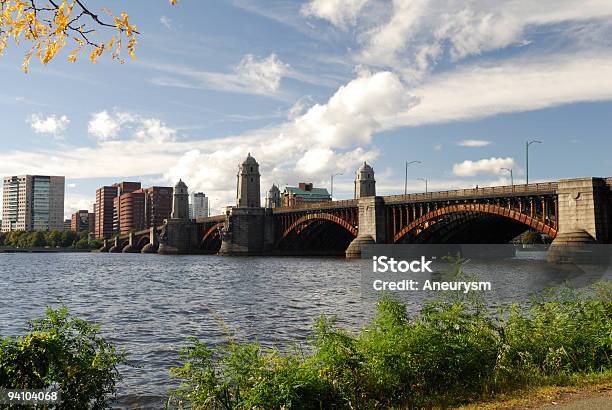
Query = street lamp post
x=406 y=179
x=527 y=144
x=511 y=175
x=332 y=184
x=425 y=180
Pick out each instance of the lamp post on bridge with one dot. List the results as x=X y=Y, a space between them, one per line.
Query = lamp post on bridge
x=425 y=180
x=511 y=175
x=527 y=144
x=406 y=179
x=332 y=184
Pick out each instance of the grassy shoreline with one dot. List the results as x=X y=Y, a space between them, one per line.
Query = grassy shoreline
x=579 y=388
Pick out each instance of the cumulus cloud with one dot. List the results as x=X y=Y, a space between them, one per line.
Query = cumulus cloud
x=339 y=12
x=155 y=130
x=491 y=166
x=357 y=110
x=51 y=124
x=474 y=143
x=103 y=126
x=263 y=74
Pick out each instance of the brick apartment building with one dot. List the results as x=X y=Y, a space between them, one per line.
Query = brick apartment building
x=126 y=206
x=83 y=220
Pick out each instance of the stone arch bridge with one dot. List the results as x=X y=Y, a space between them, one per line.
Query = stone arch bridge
x=572 y=210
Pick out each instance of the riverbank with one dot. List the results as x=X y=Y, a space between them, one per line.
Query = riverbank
x=9 y=249
x=591 y=391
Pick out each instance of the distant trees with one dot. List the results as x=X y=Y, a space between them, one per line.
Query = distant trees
x=52 y=239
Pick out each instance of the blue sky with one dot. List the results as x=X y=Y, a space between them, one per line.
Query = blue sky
x=316 y=87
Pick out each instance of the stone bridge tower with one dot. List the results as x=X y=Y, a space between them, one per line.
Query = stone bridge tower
x=365 y=184
x=179 y=233
x=248 y=193
x=372 y=216
x=180 y=201
x=248 y=228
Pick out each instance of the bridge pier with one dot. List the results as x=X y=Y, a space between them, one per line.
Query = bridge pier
x=372 y=225
x=583 y=218
x=247 y=231
x=153 y=244
x=131 y=246
x=116 y=248
x=105 y=246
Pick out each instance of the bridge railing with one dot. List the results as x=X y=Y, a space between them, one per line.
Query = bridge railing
x=346 y=203
x=536 y=188
x=214 y=218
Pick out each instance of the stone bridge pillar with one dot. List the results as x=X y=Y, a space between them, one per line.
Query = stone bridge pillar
x=153 y=244
x=372 y=225
x=116 y=248
x=179 y=234
x=583 y=211
x=131 y=246
x=247 y=231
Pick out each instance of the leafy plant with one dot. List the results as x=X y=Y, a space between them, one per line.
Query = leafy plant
x=64 y=352
x=453 y=352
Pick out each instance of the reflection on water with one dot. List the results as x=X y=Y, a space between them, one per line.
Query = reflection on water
x=150 y=304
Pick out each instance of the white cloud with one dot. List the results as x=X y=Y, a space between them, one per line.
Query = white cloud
x=474 y=143
x=437 y=147
x=299 y=107
x=481 y=90
x=357 y=110
x=52 y=124
x=491 y=166
x=412 y=35
x=165 y=20
x=155 y=130
x=339 y=12
x=263 y=74
x=103 y=126
x=252 y=75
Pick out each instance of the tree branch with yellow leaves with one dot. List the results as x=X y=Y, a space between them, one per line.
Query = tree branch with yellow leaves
x=50 y=25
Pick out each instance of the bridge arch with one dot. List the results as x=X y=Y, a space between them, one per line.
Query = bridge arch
x=211 y=240
x=433 y=217
x=212 y=231
x=320 y=216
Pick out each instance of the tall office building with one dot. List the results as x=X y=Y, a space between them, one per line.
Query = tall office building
x=33 y=203
x=198 y=207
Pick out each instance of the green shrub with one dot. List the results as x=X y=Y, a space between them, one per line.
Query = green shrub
x=452 y=352
x=63 y=351
x=82 y=244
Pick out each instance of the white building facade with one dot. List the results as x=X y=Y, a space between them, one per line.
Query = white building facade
x=198 y=206
x=33 y=203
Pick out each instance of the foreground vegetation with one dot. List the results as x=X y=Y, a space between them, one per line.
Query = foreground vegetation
x=453 y=352
x=66 y=353
x=52 y=239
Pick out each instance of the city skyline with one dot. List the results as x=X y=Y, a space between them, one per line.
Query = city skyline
x=314 y=89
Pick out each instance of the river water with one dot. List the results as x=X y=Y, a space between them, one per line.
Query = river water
x=150 y=304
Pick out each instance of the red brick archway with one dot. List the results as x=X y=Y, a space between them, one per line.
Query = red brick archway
x=320 y=216
x=533 y=223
